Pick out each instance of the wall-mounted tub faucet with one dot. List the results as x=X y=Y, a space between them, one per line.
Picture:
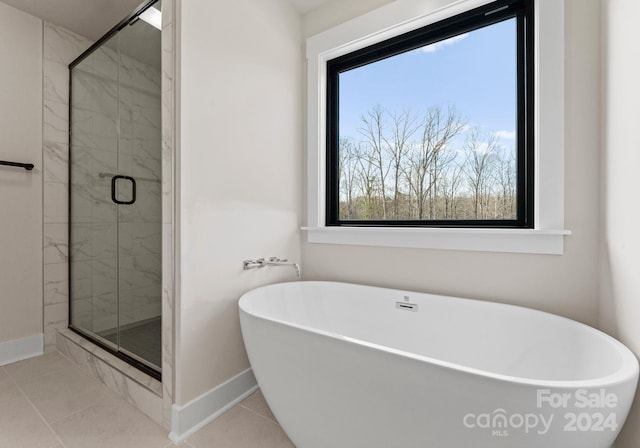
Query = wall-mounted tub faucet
x=271 y=261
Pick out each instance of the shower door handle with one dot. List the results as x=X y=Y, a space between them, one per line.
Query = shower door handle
x=114 y=184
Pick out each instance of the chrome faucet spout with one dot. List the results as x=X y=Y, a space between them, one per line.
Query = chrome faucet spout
x=271 y=261
x=275 y=261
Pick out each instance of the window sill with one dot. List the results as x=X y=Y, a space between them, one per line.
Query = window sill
x=529 y=241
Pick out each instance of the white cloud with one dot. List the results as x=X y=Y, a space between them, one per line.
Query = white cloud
x=443 y=43
x=507 y=135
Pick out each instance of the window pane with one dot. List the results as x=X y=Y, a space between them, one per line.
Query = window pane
x=430 y=134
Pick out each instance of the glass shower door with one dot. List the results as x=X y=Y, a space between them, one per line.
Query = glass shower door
x=115 y=215
x=93 y=217
x=140 y=224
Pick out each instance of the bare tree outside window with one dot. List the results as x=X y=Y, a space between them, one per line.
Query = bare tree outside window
x=403 y=168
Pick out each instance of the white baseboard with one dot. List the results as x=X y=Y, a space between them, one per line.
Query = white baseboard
x=19 y=349
x=187 y=419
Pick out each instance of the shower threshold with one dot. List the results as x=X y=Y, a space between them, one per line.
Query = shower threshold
x=130 y=358
x=140 y=340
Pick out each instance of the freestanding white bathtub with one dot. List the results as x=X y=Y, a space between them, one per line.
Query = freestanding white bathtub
x=349 y=366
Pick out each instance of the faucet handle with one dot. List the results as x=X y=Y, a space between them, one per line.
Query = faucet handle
x=251 y=264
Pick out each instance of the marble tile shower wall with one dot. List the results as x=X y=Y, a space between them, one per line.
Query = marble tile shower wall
x=140 y=154
x=116 y=258
x=168 y=181
x=60 y=47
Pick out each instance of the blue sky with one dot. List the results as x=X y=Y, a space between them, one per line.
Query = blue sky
x=475 y=73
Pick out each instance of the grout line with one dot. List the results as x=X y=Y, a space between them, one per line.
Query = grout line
x=75 y=412
x=46 y=374
x=101 y=386
x=97 y=403
x=53 y=422
x=39 y=376
x=39 y=414
x=82 y=372
x=86 y=408
x=258 y=413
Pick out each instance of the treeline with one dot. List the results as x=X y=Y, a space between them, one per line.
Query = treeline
x=406 y=167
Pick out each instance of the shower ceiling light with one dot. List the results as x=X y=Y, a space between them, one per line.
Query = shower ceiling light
x=153 y=17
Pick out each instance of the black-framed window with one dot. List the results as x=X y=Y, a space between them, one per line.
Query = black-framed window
x=435 y=127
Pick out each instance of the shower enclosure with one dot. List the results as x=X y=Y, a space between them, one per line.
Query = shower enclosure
x=115 y=215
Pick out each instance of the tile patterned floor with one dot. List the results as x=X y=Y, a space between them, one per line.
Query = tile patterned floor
x=47 y=402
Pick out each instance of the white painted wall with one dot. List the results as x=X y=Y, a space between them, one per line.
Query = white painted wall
x=240 y=173
x=20 y=191
x=620 y=252
x=567 y=284
x=336 y=12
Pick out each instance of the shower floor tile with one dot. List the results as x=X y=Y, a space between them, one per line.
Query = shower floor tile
x=41 y=410
x=142 y=340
